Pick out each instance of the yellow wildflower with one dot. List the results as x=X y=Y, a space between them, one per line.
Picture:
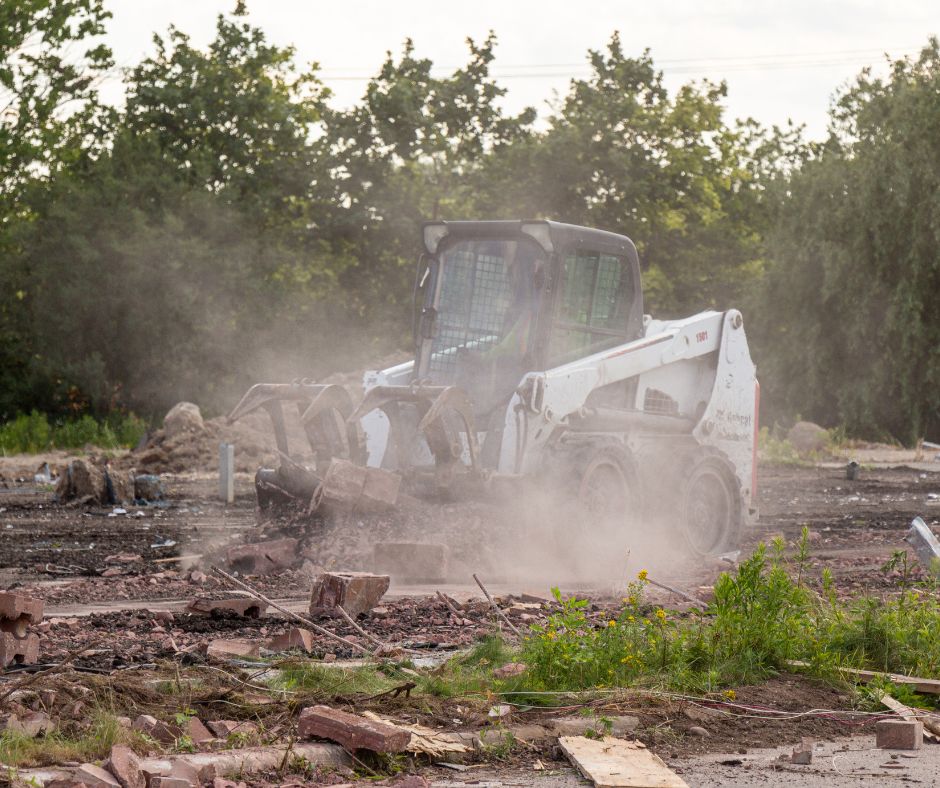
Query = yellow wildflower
x=730 y=694
x=661 y=614
x=611 y=623
x=641 y=575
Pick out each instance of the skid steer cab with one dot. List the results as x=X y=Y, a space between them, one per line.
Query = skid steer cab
x=536 y=368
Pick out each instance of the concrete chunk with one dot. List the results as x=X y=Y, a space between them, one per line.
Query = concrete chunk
x=355 y=592
x=899 y=734
x=925 y=544
x=411 y=562
x=351 y=730
x=263 y=557
x=349 y=487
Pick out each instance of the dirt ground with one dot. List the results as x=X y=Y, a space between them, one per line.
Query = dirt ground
x=156 y=558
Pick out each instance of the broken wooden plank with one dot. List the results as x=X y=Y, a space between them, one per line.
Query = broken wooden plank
x=617 y=763
x=931 y=721
x=918 y=684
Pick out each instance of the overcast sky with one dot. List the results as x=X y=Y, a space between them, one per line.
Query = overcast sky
x=782 y=59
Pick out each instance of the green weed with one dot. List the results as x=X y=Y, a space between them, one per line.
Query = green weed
x=33 y=433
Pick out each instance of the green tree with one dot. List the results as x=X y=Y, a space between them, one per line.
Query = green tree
x=622 y=154
x=850 y=328
x=50 y=61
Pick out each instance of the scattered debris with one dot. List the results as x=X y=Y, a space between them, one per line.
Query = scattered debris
x=355 y=592
x=610 y=762
x=353 y=731
x=931 y=721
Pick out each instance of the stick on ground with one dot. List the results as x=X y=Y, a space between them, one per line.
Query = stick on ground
x=676 y=591
x=305 y=621
x=495 y=607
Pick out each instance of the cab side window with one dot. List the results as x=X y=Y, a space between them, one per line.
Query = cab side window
x=596 y=291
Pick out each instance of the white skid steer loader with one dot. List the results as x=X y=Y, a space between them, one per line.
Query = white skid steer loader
x=535 y=368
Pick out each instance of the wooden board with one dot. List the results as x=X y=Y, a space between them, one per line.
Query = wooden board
x=931 y=721
x=922 y=685
x=617 y=763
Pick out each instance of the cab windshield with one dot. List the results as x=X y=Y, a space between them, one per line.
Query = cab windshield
x=487 y=305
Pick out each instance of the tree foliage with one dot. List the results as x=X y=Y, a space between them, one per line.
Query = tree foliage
x=229 y=224
x=850 y=299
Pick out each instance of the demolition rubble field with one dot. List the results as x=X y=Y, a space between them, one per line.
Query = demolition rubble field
x=126 y=658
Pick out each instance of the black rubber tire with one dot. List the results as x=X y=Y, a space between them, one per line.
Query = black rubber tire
x=710 y=514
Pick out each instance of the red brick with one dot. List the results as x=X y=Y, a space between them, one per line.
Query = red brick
x=125 y=766
x=236 y=647
x=350 y=730
x=14 y=606
x=295 y=638
x=93 y=775
x=157 y=730
x=198 y=732
x=355 y=592
x=899 y=734
x=243 y=606
x=263 y=557
x=19 y=651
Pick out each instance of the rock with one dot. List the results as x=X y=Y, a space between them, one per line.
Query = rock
x=81 y=479
x=294 y=638
x=695 y=730
x=183 y=417
x=125 y=766
x=236 y=647
x=409 y=781
x=94 y=776
x=242 y=606
x=185 y=771
x=262 y=558
x=507 y=671
x=899 y=734
x=30 y=724
x=351 y=731
x=411 y=562
x=807 y=437
x=355 y=592
x=172 y=782
x=148 y=487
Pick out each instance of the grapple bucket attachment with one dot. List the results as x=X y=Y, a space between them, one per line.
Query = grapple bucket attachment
x=324 y=412
x=436 y=405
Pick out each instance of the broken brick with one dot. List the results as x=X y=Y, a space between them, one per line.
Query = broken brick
x=125 y=766
x=94 y=776
x=225 y=728
x=197 y=732
x=413 y=562
x=157 y=730
x=294 y=638
x=226 y=649
x=14 y=606
x=263 y=557
x=899 y=734
x=242 y=606
x=355 y=592
x=19 y=651
x=351 y=731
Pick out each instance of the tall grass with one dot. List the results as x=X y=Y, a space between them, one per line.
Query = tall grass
x=32 y=433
